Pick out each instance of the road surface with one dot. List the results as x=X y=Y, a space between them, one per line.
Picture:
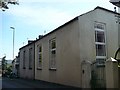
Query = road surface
x=24 y=83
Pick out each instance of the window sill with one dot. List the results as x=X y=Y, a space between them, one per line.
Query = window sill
x=53 y=69
x=39 y=68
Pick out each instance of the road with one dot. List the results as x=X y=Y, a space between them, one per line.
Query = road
x=14 y=83
x=24 y=83
x=0 y=83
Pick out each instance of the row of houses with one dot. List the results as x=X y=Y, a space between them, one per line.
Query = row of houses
x=65 y=55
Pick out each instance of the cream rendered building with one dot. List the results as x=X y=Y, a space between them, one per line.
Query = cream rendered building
x=60 y=55
x=67 y=54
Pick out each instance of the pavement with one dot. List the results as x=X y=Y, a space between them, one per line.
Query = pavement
x=26 y=83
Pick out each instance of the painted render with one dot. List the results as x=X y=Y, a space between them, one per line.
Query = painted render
x=87 y=33
x=75 y=43
x=67 y=56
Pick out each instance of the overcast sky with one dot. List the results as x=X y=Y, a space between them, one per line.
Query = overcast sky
x=37 y=17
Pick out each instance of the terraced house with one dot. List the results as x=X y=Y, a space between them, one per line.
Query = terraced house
x=72 y=52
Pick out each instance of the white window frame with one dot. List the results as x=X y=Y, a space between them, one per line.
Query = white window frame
x=24 y=59
x=52 y=61
x=39 y=62
x=98 y=30
x=100 y=43
x=104 y=49
x=30 y=58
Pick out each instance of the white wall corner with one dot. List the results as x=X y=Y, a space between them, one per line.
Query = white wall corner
x=111 y=60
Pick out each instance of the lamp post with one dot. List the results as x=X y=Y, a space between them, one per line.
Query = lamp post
x=13 y=39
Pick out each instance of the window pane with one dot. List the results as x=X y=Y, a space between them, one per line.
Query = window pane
x=24 y=59
x=95 y=36
x=100 y=50
x=53 y=63
x=53 y=44
x=100 y=61
x=99 y=36
x=40 y=49
x=99 y=26
x=52 y=53
x=39 y=56
x=30 y=58
x=40 y=60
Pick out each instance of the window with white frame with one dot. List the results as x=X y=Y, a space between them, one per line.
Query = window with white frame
x=24 y=55
x=39 y=56
x=52 y=46
x=100 y=43
x=30 y=58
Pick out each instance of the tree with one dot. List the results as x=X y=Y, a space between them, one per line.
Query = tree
x=4 y=65
x=4 y=3
x=9 y=70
